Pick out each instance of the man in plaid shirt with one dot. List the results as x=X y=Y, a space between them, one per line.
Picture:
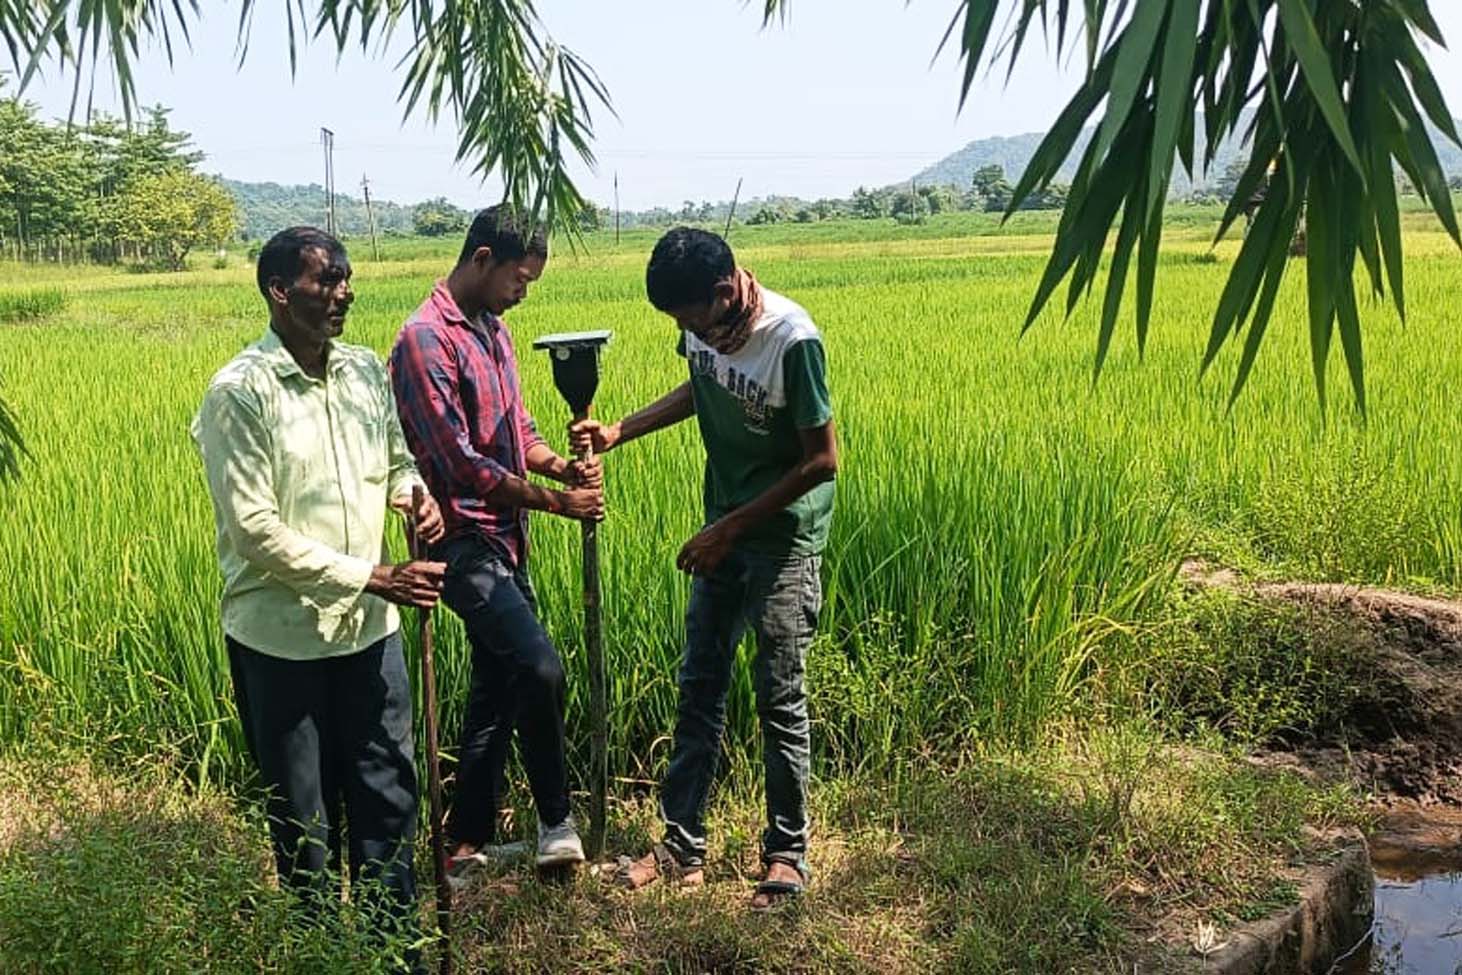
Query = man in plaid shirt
x=456 y=382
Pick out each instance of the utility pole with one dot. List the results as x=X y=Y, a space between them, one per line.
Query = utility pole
x=327 y=140
x=365 y=188
x=735 y=198
x=616 y=208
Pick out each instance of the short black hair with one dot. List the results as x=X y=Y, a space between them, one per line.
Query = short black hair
x=281 y=257
x=503 y=230
x=685 y=266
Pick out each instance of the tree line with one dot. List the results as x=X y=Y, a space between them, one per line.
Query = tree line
x=988 y=191
x=106 y=191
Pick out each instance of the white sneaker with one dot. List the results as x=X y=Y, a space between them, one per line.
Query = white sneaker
x=559 y=846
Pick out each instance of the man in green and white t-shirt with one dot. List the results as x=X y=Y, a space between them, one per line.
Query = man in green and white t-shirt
x=758 y=390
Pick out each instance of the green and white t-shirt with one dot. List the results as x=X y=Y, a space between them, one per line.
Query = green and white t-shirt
x=750 y=407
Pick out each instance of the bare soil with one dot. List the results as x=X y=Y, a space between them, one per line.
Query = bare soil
x=1403 y=743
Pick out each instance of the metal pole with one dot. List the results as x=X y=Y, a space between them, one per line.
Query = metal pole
x=433 y=763
x=731 y=214
x=616 y=209
x=598 y=699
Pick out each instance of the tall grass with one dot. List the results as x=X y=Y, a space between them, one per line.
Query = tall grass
x=1000 y=523
x=24 y=306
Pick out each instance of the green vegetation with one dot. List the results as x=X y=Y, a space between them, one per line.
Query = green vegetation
x=104 y=192
x=127 y=871
x=1008 y=682
x=1000 y=524
x=22 y=306
x=1346 y=99
x=1050 y=861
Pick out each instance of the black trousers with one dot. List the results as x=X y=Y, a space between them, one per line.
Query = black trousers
x=517 y=683
x=326 y=733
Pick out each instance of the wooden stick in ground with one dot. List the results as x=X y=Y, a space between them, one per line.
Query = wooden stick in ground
x=433 y=763
x=598 y=702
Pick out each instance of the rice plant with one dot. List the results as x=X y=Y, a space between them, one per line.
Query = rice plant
x=1001 y=523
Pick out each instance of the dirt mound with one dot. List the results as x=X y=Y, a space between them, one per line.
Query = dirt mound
x=1405 y=740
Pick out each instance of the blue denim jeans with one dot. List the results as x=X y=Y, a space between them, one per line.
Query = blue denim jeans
x=778 y=597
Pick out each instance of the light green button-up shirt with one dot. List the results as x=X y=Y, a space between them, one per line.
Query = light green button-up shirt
x=301 y=470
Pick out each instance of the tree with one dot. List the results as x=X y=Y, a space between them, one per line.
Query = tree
x=42 y=176
x=169 y=213
x=907 y=207
x=1053 y=197
x=593 y=217
x=827 y=209
x=937 y=199
x=1337 y=93
x=120 y=152
x=438 y=218
x=990 y=186
x=61 y=187
x=1232 y=174
x=869 y=204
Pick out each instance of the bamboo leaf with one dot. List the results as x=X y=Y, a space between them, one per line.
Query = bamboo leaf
x=1243 y=282
x=1419 y=15
x=1419 y=157
x=1046 y=162
x=1323 y=262
x=1117 y=279
x=1274 y=267
x=1350 y=337
x=1300 y=30
x=1174 y=93
x=1097 y=209
x=1135 y=52
x=1383 y=199
x=1147 y=277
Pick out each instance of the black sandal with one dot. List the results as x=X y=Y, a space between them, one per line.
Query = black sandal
x=777 y=891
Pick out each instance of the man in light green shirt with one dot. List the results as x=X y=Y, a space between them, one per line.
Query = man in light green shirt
x=304 y=453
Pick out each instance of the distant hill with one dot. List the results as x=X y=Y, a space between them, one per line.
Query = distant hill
x=266 y=207
x=1012 y=153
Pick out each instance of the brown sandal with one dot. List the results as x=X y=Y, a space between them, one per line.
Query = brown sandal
x=658 y=863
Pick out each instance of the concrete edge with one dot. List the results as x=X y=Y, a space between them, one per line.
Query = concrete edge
x=1334 y=913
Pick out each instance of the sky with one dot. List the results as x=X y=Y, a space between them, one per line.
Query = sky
x=817 y=106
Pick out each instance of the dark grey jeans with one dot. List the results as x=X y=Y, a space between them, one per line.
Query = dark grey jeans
x=517 y=683
x=778 y=598
x=327 y=730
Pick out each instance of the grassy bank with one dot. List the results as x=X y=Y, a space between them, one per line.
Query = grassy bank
x=1059 y=859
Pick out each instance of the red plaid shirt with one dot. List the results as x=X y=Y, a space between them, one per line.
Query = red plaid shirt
x=456 y=384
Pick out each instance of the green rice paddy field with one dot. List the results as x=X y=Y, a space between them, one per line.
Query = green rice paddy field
x=1004 y=529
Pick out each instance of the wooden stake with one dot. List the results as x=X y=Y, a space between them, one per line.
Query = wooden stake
x=433 y=762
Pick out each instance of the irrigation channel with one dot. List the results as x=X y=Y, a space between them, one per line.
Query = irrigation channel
x=1417 y=858
x=1402 y=745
